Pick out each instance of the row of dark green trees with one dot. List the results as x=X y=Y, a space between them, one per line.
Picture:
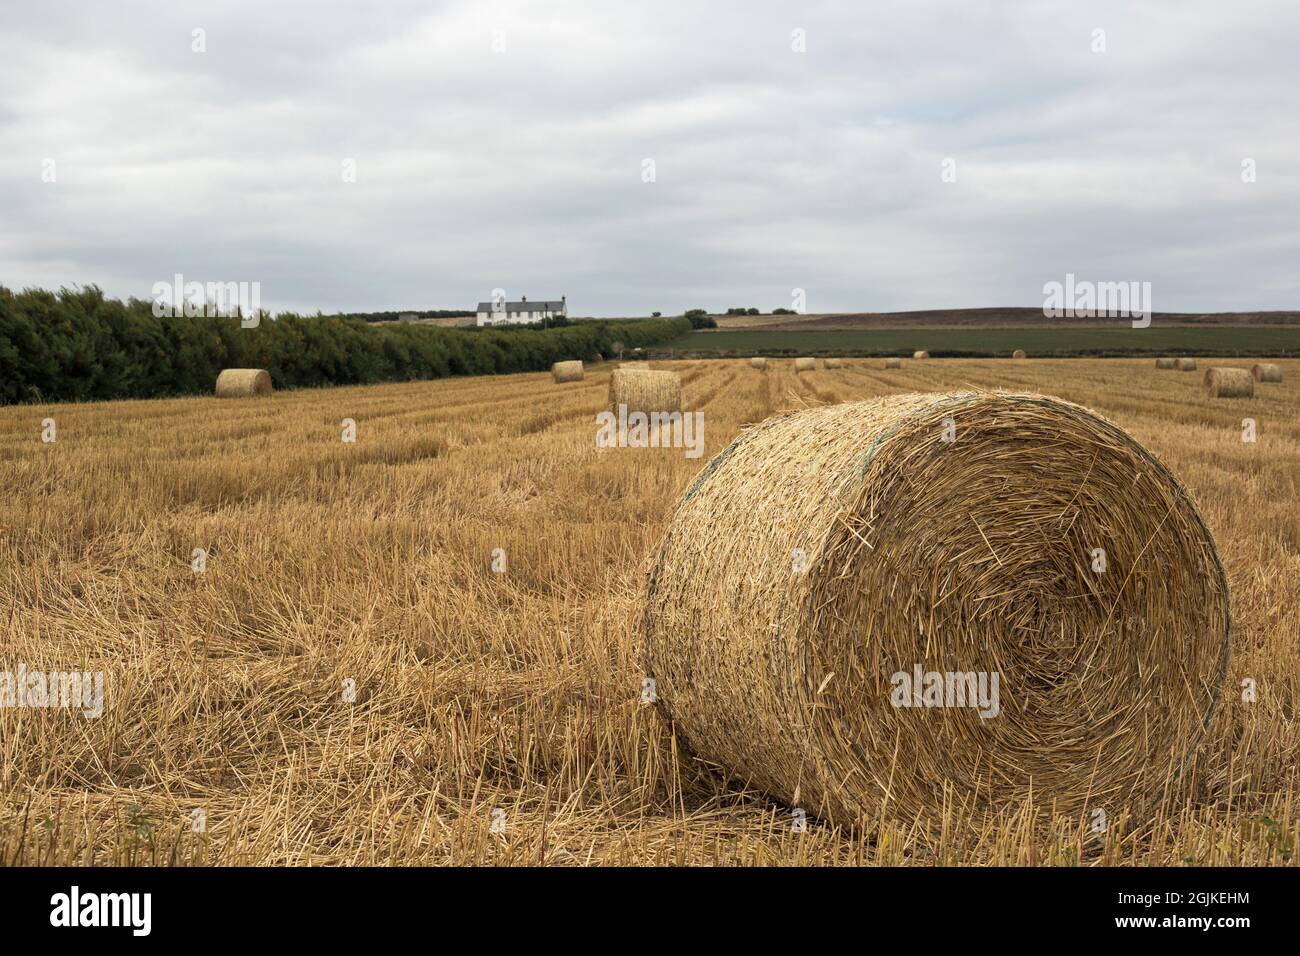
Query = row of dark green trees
x=77 y=345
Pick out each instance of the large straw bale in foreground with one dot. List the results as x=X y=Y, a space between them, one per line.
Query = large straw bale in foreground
x=758 y=362
x=567 y=371
x=805 y=364
x=834 y=363
x=1165 y=363
x=642 y=390
x=243 y=382
x=893 y=363
x=826 y=554
x=1229 y=383
x=1266 y=372
x=921 y=355
x=1185 y=364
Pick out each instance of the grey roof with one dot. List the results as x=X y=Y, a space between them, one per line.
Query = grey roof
x=538 y=306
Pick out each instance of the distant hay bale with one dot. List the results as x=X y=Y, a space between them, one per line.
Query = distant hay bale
x=757 y=362
x=1229 y=383
x=567 y=371
x=834 y=363
x=642 y=390
x=243 y=382
x=1185 y=364
x=1164 y=363
x=893 y=363
x=921 y=355
x=805 y=364
x=824 y=567
x=1018 y=354
x=1266 y=372
x=597 y=358
x=642 y=366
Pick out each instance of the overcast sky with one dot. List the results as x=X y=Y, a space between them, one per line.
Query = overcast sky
x=525 y=168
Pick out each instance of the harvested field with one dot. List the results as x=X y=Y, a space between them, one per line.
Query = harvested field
x=350 y=681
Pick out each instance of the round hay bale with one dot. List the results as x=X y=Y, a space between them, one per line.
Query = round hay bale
x=893 y=363
x=805 y=364
x=243 y=382
x=1164 y=363
x=642 y=366
x=921 y=355
x=1266 y=372
x=834 y=363
x=829 y=557
x=1018 y=354
x=1229 y=383
x=757 y=362
x=1185 y=364
x=597 y=358
x=643 y=390
x=567 y=371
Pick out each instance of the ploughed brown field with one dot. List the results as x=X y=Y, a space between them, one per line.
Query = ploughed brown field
x=497 y=715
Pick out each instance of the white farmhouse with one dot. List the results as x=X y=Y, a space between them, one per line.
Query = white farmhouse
x=517 y=313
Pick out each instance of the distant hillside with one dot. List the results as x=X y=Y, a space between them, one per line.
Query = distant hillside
x=986 y=318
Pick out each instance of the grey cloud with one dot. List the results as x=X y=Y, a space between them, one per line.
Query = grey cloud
x=774 y=169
